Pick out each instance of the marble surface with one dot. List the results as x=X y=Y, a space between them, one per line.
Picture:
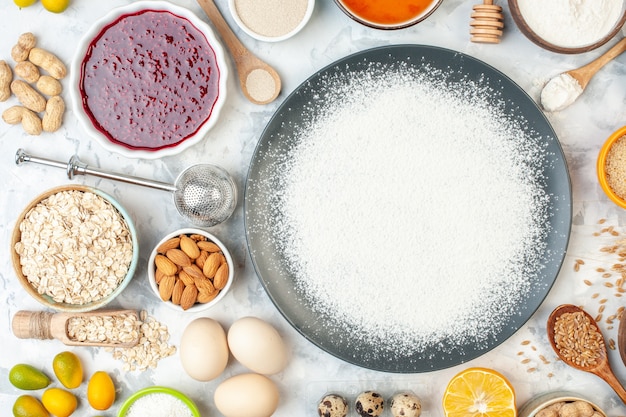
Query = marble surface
x=330 y=35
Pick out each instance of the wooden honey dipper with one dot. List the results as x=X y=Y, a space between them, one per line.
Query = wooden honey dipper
x=487 y=23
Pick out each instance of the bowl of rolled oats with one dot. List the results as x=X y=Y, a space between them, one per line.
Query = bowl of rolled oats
x=74 y=248
x=190 y=270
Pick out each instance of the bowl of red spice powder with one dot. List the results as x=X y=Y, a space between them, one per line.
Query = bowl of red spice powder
x=611 y=167
x=148 y=80
x=382 y=14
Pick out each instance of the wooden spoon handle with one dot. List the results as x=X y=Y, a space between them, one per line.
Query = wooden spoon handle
x=583 y=74
x=32 y=325
x=607 y=374
x=237 y=49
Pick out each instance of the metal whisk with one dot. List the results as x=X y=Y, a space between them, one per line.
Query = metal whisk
x=204 y=194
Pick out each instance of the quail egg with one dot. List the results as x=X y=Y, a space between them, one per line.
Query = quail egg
x=332 y=405
x=369 y=404
x=405 y=404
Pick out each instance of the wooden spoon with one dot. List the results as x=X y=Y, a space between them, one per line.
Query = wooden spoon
x=621 y=339
x=602 y=368
x=44 y=325
x=259 y=82
x=584 y=74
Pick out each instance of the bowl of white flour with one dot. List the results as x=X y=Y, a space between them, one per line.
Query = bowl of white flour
x=569 y=26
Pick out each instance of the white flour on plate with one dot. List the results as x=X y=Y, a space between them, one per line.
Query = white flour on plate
x=410 y=213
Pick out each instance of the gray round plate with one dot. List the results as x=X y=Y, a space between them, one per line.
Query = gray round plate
x=274 y=148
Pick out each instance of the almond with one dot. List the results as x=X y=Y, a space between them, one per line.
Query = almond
x=211 y=265
x=185 y=277
x=172 y=243
x=197 y=237
x=205 y=297
x=189 y=246
x=189 y=296
x=165 y=265
x=166 y=287
x=202 y=258
x=205 y=285
x=221 y=276
x=179 y=257
x=177 y=292
x=158 y=275
x=194 y=271
x=208 y=246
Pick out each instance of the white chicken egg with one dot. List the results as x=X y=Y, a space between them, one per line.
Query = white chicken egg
x=247 y=395
x=204 y=349
x=257 y=345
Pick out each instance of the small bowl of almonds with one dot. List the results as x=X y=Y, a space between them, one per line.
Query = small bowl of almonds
x=190 y=270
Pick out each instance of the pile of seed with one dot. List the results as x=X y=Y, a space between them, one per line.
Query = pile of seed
x=577 y=339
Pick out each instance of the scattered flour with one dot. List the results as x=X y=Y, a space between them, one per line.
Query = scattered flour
x=410 y=209
x=571 y=23
x=560 y=92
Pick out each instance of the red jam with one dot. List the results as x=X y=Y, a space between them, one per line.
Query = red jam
x=149 y=80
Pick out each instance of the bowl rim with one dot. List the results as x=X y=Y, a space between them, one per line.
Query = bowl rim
x=95 y=29
x=47 y=300
x=305 y=19
x=434 y=5
x=519 y=20
x=158 y=389
x=531 y=407
x=600 y=167
x=198 y=306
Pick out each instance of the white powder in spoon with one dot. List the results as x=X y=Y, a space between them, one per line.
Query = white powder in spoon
x=560 y=92
x=260 y=85
x=411 y=213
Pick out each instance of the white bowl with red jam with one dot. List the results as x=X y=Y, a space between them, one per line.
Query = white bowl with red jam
x=149 y=80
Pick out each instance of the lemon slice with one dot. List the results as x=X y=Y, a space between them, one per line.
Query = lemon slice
x=479 y=392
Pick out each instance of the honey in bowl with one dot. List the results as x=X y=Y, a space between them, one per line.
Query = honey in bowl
x=149 y=80
x=385 y=13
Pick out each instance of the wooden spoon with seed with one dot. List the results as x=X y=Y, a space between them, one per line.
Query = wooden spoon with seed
x=259 y=82
x=584 y=74
x=600 y=367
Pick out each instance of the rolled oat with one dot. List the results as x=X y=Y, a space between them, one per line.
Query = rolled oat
x=75 y=247
x=152 y=347
x=117 y=329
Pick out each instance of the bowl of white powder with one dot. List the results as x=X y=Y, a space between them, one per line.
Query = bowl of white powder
x=569 y=26
x=159 y=402
x=271 y=20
